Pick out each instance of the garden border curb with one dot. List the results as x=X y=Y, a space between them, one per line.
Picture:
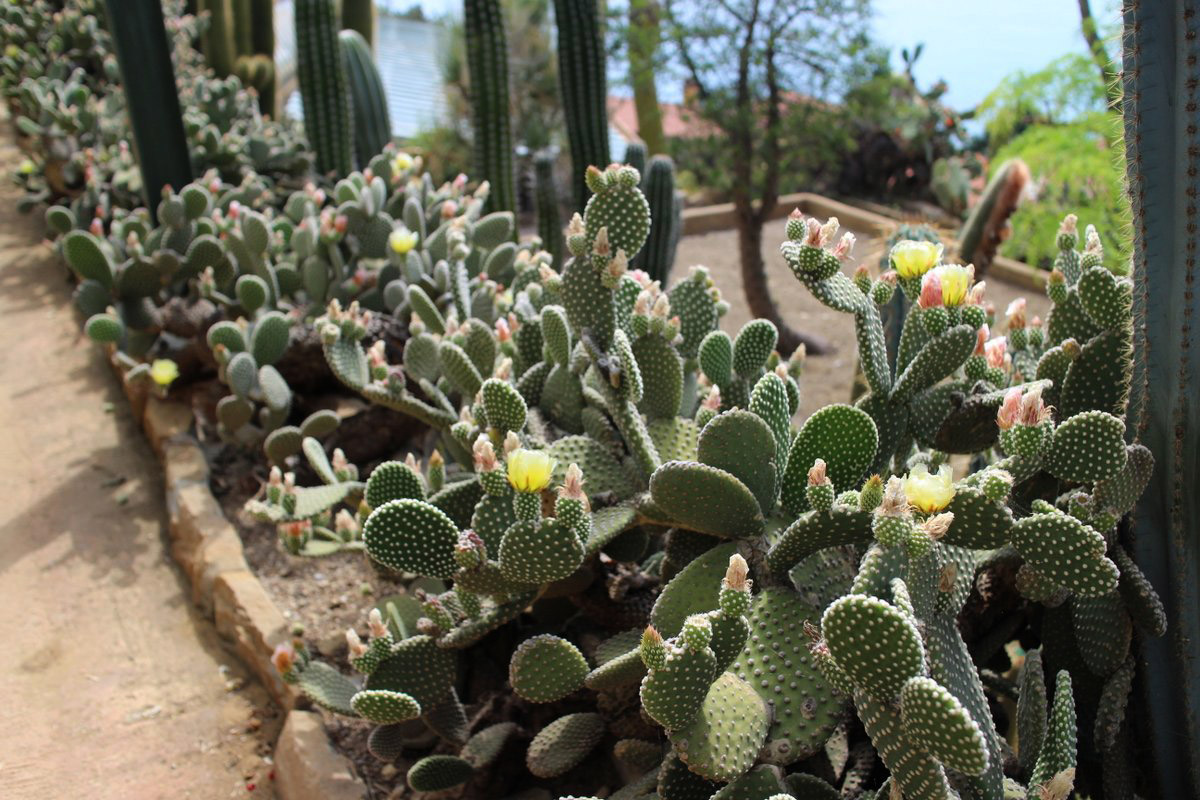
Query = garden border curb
x=719 y=217
x=209 y=550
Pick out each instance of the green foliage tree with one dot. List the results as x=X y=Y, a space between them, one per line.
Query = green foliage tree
x=749 y=63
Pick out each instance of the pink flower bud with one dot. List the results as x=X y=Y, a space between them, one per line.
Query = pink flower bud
x=1010 y=409
x=931 y=290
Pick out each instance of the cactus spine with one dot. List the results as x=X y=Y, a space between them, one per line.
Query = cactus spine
x=1161 y=55
x=583 y=86
x=372 y=125
x=658 y=256
x=323 y=86
x=549 y=220
x=487 y=61
x=149 y=80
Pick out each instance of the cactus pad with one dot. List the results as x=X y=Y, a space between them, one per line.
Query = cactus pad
x=876 y=644
x=706 y=499
x=672 y=695
x=728 y=731
x=1067 y=552
x=438 y=773
x=816 y=530
x=412 y=536
x=483 y=748
x=418 y=668
x=546 y=668
x=742 y=444
x=383 y=707
x=845 y=437
x=777 y=664
x=539 y=552
x=563 y=744
x=693 y=590
x=1087 y=447
x=328 y=688
x=393 y=480
x=934 y=718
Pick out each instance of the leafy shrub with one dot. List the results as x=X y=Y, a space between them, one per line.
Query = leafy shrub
x=1076 y=168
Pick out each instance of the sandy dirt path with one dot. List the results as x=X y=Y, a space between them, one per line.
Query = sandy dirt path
x=113 y=686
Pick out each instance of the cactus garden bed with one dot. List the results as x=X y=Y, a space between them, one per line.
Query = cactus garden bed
x=531 y=517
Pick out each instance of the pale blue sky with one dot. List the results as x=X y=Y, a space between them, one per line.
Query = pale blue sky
x=970 y=43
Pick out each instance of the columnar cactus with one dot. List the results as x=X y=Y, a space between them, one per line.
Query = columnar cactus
x=583 y=82
x=658 y=256
x=323 y=86
x=1160 y=63
x=372 y=125
x=487 y=60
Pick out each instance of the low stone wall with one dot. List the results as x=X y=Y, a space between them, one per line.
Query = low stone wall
x=209 y=551
x=704 y=219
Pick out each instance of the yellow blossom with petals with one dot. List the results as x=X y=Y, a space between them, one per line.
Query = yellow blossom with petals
x=401 y=162
x=912 y=259
x=164 y=371
x=26 y=167
x=402 y=240
x=956 y=283
x=529 y=470
x=928 y=492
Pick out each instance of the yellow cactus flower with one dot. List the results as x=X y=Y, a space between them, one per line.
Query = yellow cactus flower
x=928 y=492
x=402 y=240
x=912 y=259
x=529 y=470
x=401 y=162
x=26 y=167
x=956 y=283
x=164 y=371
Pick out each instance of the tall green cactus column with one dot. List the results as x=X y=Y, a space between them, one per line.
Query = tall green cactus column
x=360 y=15
x=583 y=84
x=1161 y=86
x=487 y=60
x=149 y=81
x=549 y=221
x=322 y=78
x=372 y=123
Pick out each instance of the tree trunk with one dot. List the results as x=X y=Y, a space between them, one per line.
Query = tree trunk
x=643 y=57
x=758 y=293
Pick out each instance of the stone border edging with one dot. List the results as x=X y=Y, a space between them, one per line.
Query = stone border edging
x=209 y=551
x=707 y=219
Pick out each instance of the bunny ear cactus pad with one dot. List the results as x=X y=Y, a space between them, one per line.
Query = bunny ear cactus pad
x=742 y=444
x=328 y=688
x=727 y=733
x=438 y=773
x=393 y=480
x=979 y=523
x=418 y=668
x=933 y=717
x=384 y=707
x=875 y=643
x=546 y=668
x=914 y=772
x=1058 y=750
x=693 y=590
x=1098 y=378
x=753 y=346
x=845 y=437
x=816 y=530
x=1087 y=447
x=777 y=664
x=618 y=205
x=563 y=744
x=761 y=783
x=940 y=357
x=483 y=748
x=706 y=499
x=672 y=695
x=1067 y=552
x=412 y=536
x=504 y=405
x=662 y=376
x=539 y=551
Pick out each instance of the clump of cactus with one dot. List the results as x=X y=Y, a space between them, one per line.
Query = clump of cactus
x=692 y=592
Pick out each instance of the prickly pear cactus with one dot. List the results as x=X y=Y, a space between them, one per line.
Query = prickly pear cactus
x=691 y=589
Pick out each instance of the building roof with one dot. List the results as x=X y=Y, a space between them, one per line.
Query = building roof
x=678 y=122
